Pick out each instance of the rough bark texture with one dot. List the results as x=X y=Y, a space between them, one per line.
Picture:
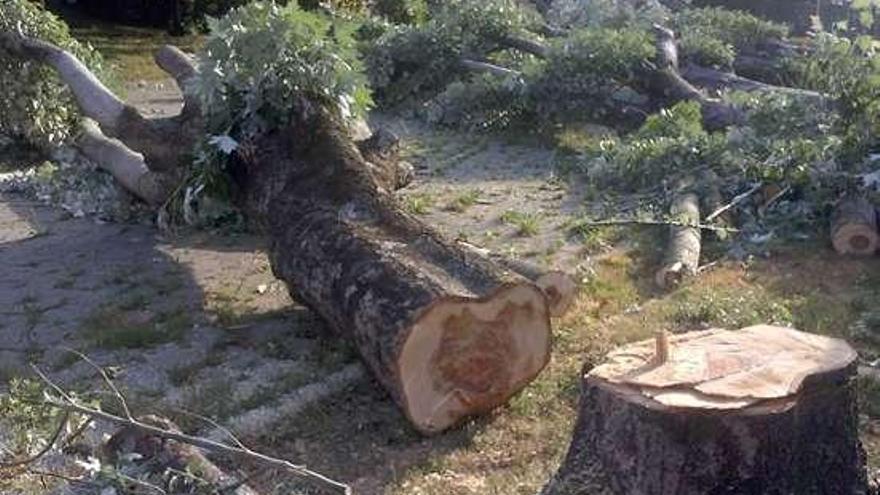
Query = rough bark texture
x=854 y=227
x=682 y=256
x=404 y=295
x=625 y=443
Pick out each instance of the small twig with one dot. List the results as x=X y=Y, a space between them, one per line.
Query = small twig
x=734 y=202
x=70 y=404
x=69 y=479
x=106 y=378
x=674 y=223
x=142 y=483
x=45 y=450
x=223 y=429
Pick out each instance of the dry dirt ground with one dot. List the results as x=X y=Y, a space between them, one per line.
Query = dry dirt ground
x=196 y=322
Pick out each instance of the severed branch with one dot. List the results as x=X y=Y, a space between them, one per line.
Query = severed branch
x=163 y=143
x=682 y=258
x=476 y=66
x=64 y=401
x=126 y=166
x=93 y=98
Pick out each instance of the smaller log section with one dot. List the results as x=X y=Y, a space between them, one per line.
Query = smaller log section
x=682 y=257
x=762 y=410
x=558 y=286
x=854 y=227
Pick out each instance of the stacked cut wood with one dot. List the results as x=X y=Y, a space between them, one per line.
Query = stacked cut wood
x=854 y=227
x=760 y=410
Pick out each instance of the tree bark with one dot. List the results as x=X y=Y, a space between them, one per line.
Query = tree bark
x=765 y=410
x=854 y=227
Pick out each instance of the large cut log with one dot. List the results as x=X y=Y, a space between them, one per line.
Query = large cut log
x=448 y=332
x=682 y=258
x=763 y=410
x=854 y=227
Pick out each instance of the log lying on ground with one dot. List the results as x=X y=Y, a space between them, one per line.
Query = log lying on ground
x=761 y=410
x=558 y=287
x=449 y=333
x=854 y=227
x=682 y=258
x=161 y=456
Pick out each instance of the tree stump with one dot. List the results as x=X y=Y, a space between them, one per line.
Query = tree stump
x=854 y=227
x=763 y=410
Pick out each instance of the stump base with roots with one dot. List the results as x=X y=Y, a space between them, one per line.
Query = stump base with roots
x=765 y=410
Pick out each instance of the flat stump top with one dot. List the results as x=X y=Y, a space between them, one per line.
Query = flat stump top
x=723 y=369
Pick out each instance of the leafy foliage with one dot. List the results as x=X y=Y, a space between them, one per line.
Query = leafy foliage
x=420 y=61
x=713 y=36
x=402 y=11
x=258 y=59
x=848 y=71
x=35 y=107
x=590 y=73
x=606 y=13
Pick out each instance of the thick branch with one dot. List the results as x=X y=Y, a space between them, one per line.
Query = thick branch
x=528 y=46
x=93 y=98
x=126 y=166
x=718 y=80
x=666 y=81
x=182 y=68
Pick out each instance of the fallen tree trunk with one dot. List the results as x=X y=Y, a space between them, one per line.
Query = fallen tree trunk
x=682 y=256
x=761 y=410
x=449 y=333
x=854 y=227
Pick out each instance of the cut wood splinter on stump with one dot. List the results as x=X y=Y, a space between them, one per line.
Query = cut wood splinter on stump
x=762 y=410
x=854 y=227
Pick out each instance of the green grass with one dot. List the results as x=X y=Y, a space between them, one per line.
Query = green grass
x=114 y=327
x=418 y=204
x=463 y=201
x=129 y=49
x=526 y=224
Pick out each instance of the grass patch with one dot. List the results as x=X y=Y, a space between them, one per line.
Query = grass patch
x=129 y=49
x=418 y=204
x=526 y=224
x=463 y=201
x=112 y=327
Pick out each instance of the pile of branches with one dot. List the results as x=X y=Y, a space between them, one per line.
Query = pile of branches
x=681 y=92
